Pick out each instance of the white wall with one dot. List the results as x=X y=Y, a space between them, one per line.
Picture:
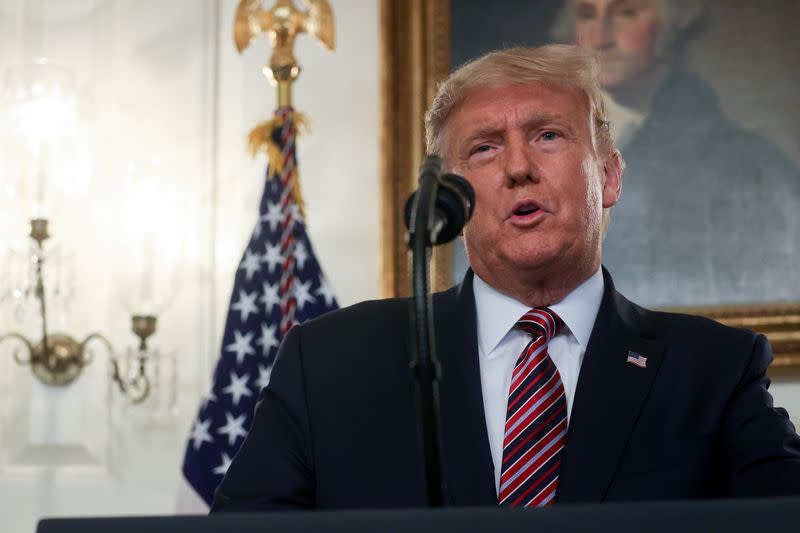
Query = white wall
x=164 y=79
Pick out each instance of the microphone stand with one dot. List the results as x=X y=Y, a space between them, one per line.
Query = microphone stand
x=425 y=365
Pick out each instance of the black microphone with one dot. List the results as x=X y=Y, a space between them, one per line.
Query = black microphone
x=435 y=214
x=453 y=206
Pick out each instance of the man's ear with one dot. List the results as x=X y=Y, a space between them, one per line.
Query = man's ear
x=612 y=179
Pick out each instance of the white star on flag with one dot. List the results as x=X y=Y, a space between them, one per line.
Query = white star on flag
x=246 y=304
x=296 y=212
x=238 y=387
x=325 y=291
x=200 y=433
x=272 y=256
x=270 y=298
x=233 y=428
x=250 y=264
x=302 y=293
x=268 y=339
x=273 y=216
x=222 y=469
x=241 y=346
x=300 y=255
x=263 y=376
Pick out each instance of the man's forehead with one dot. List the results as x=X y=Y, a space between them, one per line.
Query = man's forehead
x=490 y=123
x=618 y=3
x=493 y=106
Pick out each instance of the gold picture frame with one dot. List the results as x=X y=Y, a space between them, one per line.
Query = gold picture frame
x=415 y=56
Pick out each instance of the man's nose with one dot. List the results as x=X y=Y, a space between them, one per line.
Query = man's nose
x=519 y=165
x=600 y=33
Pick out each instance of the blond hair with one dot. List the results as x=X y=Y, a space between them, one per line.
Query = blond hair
x=554 y=64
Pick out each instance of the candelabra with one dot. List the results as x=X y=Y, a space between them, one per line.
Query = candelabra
x=58 y=359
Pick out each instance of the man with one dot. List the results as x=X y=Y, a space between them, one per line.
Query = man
x=693 y=174
x=554 y=387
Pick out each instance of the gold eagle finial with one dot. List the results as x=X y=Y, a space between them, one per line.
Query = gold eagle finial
x=282 y=23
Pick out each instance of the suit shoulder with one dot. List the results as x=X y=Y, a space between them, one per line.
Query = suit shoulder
x=676 y=325
x=361 y=315
x=369 y=321
x=377 y=312
x=698 y=329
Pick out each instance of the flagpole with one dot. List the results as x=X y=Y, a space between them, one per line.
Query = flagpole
x=282 y=23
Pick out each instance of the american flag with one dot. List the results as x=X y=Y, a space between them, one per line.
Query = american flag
x=637 y=359
x=278 y=283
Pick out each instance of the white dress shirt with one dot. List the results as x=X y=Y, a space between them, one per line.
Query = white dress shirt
x=500 y=344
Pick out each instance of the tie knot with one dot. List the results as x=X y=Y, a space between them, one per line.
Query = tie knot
x=541 y=322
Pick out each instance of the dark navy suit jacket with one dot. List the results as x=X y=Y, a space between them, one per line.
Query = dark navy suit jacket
x=337 y=427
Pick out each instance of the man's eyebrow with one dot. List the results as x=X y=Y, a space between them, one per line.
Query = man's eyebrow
x=544 y=117
x=536 y=119
x=487 y=130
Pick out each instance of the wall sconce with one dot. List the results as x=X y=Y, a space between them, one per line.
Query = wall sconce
x=41 y=111
x=58 y=359
x=137 y=387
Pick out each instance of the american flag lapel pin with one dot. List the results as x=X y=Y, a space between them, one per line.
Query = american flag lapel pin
x=637 y=359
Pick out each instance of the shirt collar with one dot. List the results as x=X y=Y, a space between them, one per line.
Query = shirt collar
x=497 y=313
x=624 y=121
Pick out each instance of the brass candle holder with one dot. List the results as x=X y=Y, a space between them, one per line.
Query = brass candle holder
x=57 y=359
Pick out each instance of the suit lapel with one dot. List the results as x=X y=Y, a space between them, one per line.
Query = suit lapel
x=608 y=398
x=468 y=467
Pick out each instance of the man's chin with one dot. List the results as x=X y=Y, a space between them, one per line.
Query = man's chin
x=535 y=262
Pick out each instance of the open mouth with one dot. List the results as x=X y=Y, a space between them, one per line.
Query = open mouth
x=524 y=209
x=526 y=214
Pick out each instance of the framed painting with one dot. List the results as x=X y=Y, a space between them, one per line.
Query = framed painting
x=709 y=218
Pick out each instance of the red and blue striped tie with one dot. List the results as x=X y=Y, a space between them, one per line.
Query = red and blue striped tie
x=536 y=418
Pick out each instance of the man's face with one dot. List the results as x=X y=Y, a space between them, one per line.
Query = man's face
x=623 y=33
x=540 y=186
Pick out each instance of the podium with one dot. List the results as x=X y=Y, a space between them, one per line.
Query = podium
x=746 y=516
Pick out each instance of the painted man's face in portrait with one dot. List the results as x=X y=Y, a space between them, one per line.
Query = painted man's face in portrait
x=623 y=34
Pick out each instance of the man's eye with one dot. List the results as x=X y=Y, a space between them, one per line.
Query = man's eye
x=549 y=136
x=481 y=148
x=625 y=10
